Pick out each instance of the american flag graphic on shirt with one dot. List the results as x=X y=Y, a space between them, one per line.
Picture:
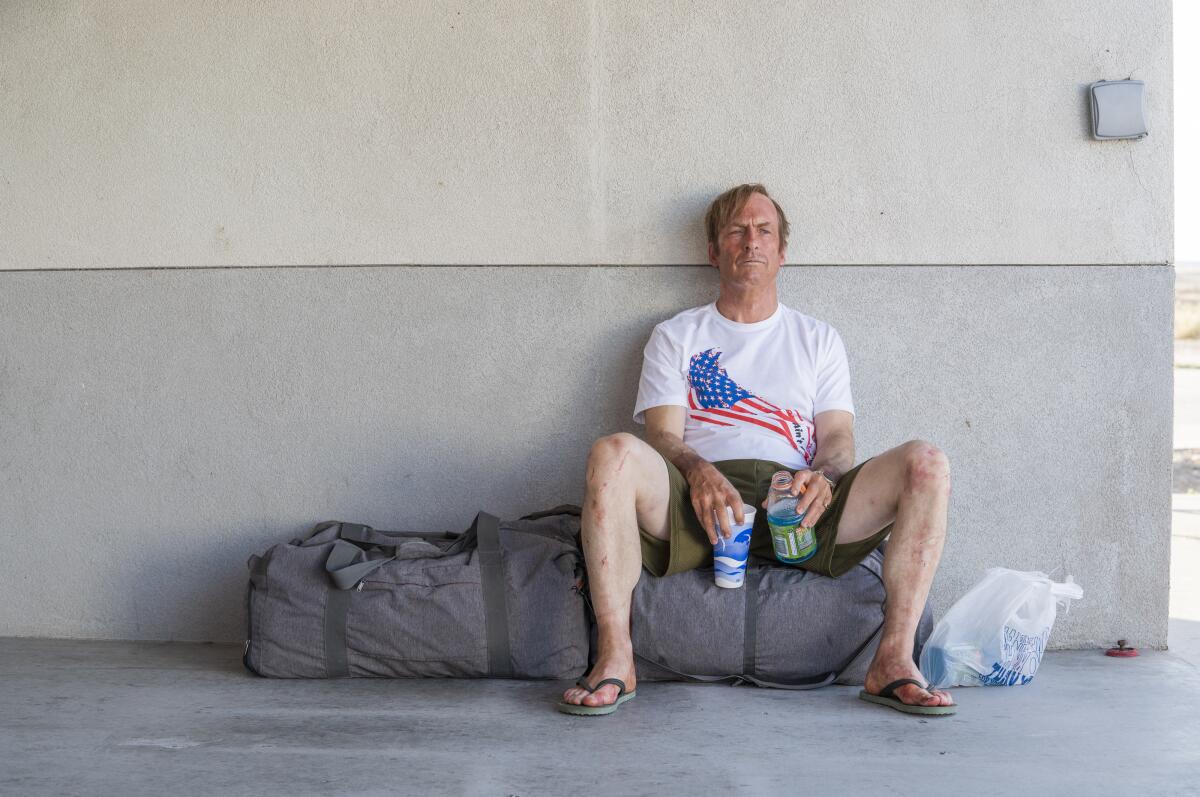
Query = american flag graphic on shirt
x=716 y=399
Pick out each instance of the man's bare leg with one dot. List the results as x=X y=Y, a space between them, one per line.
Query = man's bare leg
x=627 y=487
x=910 y=485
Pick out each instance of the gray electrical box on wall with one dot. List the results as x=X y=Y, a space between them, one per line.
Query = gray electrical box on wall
x=1117 y=109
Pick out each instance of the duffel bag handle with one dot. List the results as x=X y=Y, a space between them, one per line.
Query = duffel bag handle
x=561 y=509
x=347 y=564
x=356 y=532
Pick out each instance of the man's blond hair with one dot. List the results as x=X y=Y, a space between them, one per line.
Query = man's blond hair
x=727 y=205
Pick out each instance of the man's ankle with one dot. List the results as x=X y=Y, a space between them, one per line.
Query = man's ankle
x=614 y=637
x=619 y=652
x=891 y=649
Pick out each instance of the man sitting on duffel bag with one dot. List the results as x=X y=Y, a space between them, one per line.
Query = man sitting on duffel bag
x=730 y=393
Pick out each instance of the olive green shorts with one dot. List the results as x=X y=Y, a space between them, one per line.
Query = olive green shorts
x=689 y=547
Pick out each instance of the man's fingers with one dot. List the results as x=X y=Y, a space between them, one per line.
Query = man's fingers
x=803 y=505
x=735 y=501
x=813 y=505
x=723 y=517
x=713 y=499
x=705 y=515
x=814 y=502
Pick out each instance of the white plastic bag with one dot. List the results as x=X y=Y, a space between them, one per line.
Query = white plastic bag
x=995 y=635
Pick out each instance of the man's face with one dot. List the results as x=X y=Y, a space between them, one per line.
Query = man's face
x=748 y=250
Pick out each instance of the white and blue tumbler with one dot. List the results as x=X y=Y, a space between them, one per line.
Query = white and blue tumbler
x=730 y=555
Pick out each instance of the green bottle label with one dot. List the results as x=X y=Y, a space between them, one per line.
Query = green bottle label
x=793 y=543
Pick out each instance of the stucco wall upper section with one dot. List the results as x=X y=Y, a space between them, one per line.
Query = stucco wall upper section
x=530 y=132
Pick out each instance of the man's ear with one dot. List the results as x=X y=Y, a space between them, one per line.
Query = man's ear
x=782 y=256
x=712 y=254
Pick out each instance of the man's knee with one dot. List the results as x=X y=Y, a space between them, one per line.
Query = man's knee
x=926 y=466
x=609 y=457
x=622 y=467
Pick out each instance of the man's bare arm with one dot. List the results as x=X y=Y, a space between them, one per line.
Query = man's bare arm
x=664 y=432
x=835 y=443
x=710 y=491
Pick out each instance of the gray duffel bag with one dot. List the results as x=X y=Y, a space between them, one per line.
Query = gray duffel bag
x=502 y=599
x=786 y=628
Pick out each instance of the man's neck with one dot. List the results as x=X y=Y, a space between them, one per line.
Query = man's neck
x=747 y=307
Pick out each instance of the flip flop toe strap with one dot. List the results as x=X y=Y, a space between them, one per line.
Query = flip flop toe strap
x=620 y=685
x=890 y=689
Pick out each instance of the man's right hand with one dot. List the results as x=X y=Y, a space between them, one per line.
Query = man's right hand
x=711 y=493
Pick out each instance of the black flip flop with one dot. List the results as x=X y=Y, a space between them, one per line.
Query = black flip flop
x=593 y=711
x=887 y=697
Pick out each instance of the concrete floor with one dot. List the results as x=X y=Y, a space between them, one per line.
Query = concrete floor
x=129 y=718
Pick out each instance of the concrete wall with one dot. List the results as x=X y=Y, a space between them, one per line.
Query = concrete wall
x=532 y=132
x=160 y=422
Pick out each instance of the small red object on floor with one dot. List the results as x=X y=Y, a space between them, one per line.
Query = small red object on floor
x=1121 y=651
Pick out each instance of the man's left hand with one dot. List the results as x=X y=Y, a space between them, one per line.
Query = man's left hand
x=815 y=496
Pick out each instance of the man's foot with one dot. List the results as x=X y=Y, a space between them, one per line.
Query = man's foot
x=606 y=667
x=885 y=671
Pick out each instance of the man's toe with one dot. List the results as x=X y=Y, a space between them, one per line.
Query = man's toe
x=914 y=695
x=602 y=696
x=936 y=697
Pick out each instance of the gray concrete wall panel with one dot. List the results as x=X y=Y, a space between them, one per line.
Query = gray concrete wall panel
x=931 y=132
x=162 y=425
x=529 y=132
x=293 y=133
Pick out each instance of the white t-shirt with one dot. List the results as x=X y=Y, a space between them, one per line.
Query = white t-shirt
x=751 y=390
